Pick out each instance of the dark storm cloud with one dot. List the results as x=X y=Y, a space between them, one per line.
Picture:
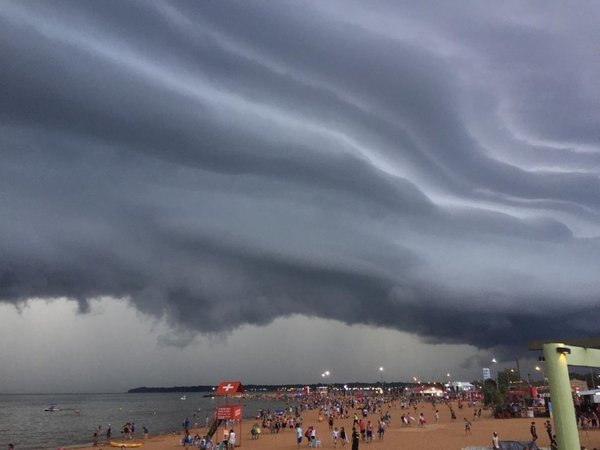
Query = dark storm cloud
x=250 y=161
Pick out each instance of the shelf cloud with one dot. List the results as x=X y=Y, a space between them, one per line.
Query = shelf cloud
x=429 y=169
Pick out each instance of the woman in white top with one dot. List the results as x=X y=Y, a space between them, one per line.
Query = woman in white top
x=231 y=439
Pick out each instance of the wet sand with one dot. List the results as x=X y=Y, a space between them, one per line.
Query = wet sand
x=445 y=435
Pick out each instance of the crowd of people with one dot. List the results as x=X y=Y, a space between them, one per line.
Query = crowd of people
x=369 y=416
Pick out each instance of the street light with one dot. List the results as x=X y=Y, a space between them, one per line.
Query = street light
x=541 y=369
x=494 y=361
x=325 y=375
x=381 y=373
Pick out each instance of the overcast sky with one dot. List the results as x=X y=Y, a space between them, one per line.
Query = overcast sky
x=193 y=191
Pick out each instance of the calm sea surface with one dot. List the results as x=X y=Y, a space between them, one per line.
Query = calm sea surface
x=24 y=423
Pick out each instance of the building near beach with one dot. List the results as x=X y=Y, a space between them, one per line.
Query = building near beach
x=460 y=386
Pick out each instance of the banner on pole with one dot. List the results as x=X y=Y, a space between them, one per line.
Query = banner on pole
x=229 y=412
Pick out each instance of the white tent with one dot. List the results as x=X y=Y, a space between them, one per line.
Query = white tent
x=594 y=394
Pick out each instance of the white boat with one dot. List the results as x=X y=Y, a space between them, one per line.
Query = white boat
x=183 y=398
x=51 y=408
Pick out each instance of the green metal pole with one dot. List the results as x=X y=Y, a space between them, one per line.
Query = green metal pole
x=565 y=423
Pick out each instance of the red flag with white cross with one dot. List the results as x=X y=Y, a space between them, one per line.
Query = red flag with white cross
x=229 y=388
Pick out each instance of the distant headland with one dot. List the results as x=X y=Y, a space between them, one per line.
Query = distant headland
x=266 y=387
x=145 y=389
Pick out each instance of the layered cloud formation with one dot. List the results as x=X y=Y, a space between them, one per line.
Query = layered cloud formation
x=432 y=170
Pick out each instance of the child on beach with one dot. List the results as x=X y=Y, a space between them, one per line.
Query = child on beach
x=334 y=436
x=467 y=426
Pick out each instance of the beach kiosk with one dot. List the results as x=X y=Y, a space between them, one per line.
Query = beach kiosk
x=228 y=410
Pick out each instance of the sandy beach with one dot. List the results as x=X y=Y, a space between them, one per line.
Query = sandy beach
x=444 y=435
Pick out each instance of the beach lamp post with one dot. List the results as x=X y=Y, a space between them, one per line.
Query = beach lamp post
x=541 y=369
x=494 y=361
x=325 y=375
x=381 y=373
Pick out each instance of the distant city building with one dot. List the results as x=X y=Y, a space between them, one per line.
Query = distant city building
x=487 y=374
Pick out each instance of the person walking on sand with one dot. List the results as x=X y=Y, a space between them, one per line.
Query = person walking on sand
x=225 y=440
x=355 y=439
x=467 y=427
x=231 y=439
x=363 y=429
x=549 y=429
x=299 y=434
x=334 y=436
x=313 y=436
x=343 y=436
x=533 y=432
x=495 y=444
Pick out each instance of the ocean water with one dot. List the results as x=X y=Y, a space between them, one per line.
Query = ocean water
x=24 y=423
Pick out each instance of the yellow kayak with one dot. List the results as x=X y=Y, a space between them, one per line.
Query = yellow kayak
x=125 y=444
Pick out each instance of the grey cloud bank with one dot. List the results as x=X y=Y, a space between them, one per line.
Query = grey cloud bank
x=430 y=170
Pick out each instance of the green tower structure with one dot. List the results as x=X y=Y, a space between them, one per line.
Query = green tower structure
x=558 y=356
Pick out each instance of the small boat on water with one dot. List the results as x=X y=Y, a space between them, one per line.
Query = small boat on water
x=183 y=398
x=51 y=408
